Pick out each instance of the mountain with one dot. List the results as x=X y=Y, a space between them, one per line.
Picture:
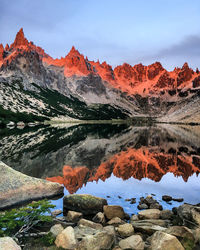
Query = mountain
x=32 y=82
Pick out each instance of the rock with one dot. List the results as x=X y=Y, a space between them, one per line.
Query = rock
x=196 y=233
x=73 y=216
x=109 y=229
x=164 y=241
x=84 y=203
x=133 y=242
x=149 y=226
x=113 y=211
x=156 y=206
x=56 y=229
x=183 y=234
x=142 y=206
x=126 y=216
x=101 y=240
x=82 y=231
x=166 y=214
x=115 y=221
x=66 y=239
x=16 y=187
x=125 y=230
x=7 y=243
x=56 y=212
x=134 y=217
x=99 y=218
x=88 y=223
x=133 y=200
x=190 y=213
x=149 y=214
x=178 y=199
x=166 y=198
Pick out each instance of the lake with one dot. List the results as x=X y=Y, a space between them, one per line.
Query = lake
x=114 y=161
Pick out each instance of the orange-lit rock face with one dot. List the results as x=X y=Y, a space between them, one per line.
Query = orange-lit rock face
x=185 y=74
x=1 y=52
x=154 y=69
x=137 y=163
x=20 y=40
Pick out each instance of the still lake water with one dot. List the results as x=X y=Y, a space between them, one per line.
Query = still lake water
x=114 y=161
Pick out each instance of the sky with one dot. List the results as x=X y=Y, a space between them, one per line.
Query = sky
x=115 y=31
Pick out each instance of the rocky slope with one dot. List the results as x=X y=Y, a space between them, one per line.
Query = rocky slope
x=130 y=90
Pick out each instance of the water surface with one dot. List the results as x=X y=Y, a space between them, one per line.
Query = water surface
x=114 y=161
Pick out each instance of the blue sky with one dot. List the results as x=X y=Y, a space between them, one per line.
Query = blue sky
x=116 y=31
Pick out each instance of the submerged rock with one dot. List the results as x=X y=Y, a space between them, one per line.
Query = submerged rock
x=84 y=203
x=16 y=188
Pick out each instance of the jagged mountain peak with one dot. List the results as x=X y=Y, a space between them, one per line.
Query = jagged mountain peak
x=20 y=40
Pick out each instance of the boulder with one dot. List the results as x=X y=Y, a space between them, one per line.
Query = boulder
x=114 y=211
x=149 y=226
x=125 y=230
x=166 y=214
x=133 y=242
x=88 y=223
x=149 y=214
x=183 y=234
x=189 y=213
x=66 y=239
x=56 y=229
x=164 y=241
x=166 y=198
x=101 y=240
x=7 y=243
x=82 y=231
x=84 y=203
x=142 y=206
x=73 y=216
x=17 y=188
x=134 y=217
x=56 y=212
x=115 y=221
x=99 y=218
x=156 y=206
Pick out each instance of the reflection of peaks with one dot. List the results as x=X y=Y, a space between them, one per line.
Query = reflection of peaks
x=134 y=163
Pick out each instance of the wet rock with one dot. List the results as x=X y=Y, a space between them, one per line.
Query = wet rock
x=178 y=199
x=134 y=217
x=133 y=242
x=119 y=197
x=84 y=203
x=88 y=223
x=56 y=229
x=66 y=239
x=125 y=230
x=164 y=241
x=115 y=221
x=166 y=214
x=156 y=206
x=101 y=240
x=56 y=212
x=142 y=206
x=149 y=214
x=126 y=216
x=73 y=216
x=8 y=243
x=166 y=198
x=133 y=200
x=99 y=218
x=25 y=189
x=113 y=211
x=183 y=234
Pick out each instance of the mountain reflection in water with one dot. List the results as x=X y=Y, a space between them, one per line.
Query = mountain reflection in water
x=80 y=154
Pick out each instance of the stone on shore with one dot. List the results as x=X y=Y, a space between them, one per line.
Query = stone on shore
x=101 y=240
x=149 y=214
x=7 y=243
x=190 y=213
x=164 y=241
x=73 y=216
x=88 y=223
x=56 y=229
x=66 y=239
x=113 y=211
x=125 y=230
x=99 y=218
x=84 y=203
x=115 y=221
x=149 y=226
x=133 y=242
x=17 y=188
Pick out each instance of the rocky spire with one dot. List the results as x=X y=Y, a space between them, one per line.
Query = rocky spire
x=7 y=47
x=1 y=51
x=20 y=40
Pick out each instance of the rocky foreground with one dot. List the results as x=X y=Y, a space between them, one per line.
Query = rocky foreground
x=89 y=223
x=17 y=188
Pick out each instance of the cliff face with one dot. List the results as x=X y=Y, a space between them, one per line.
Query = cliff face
x=138 y=90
